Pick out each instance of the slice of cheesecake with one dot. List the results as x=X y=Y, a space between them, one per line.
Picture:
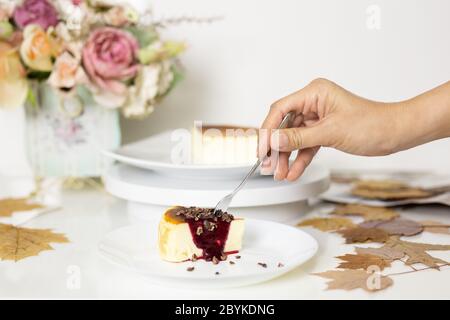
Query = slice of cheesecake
x=197 y=233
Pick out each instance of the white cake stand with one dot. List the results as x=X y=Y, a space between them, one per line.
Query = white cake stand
x=149 y=193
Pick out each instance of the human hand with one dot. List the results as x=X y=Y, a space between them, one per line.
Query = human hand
x=328 y=115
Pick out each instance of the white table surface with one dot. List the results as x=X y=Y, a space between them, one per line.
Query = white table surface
x=88 y=214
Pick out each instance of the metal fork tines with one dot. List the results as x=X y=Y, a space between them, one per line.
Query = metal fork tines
x=225 y=202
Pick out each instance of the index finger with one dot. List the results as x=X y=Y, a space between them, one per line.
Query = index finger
x=293 y=102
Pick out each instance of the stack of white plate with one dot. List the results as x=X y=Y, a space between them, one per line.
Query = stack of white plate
x=146 y=176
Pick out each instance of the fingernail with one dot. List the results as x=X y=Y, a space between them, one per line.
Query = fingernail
x=281 y=141
x=266 y=168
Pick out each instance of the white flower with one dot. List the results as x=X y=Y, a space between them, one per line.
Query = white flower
x=120 y=15
x=6 y=9
x=142 y=96
x=63 y=32
x=151 y=82
x=73 y=15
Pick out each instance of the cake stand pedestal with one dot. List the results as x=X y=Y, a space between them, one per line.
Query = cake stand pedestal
x=149 y=193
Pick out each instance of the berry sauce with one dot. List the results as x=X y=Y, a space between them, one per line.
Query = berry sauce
x=209 y=230
x=211 y=242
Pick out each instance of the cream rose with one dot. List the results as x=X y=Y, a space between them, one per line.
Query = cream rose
x=13 y=84
x=38 y=48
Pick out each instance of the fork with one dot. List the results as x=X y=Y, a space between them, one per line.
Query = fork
x=225 y=202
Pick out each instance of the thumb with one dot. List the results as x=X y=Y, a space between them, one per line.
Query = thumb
x=298 y=138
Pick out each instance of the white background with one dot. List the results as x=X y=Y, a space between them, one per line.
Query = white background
x=265 y=49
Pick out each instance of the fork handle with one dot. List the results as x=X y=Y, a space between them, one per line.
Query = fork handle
x=286 y=120
x=225 y=202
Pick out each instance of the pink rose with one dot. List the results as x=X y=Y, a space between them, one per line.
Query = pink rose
x=39 y=12
x=109 y=58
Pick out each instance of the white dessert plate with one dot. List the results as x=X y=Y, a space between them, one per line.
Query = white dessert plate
x=135 y=248
x=155 y=153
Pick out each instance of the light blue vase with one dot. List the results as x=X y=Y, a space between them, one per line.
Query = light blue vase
x=67 y=141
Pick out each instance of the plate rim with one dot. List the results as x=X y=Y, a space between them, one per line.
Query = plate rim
x=146 y=164
x=142 y=163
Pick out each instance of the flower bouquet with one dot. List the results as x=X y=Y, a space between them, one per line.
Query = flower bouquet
x=109 y=49
x=73 y=61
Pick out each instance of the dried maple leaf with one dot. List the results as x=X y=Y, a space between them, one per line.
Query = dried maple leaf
x=435 y=227
x=369 y=213
x=363 y=261
x=387 y=190
x=354 y=279
x=359 y=234
x=401 y=227
x=384 y=252
x=381 y=184
x=416 y=252
x=412 y=193
x=18 y=243
x=343 y=178
x=10 y=205
x=327 y=224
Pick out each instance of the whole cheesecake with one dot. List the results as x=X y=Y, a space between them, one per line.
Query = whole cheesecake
x=198 y=233
x=224 y=145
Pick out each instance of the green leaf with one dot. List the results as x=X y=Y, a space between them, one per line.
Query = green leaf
x=38 y=75
x=148 y=55
x=6 y=29
x=173 y=48
x=177 y=77
x=31 y=99
x=144 y=36
x=167 y=50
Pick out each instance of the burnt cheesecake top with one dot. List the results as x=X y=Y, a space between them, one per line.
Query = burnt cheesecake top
x=181 y=214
